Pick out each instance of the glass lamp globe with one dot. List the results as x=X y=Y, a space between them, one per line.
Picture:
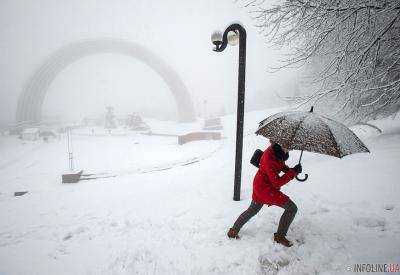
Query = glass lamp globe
x=216 y=38
x=233 y=38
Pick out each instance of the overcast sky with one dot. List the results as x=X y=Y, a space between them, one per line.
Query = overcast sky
x=177 y=31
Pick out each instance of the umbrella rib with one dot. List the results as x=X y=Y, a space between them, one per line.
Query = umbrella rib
x=295 y=132
x=333 y=137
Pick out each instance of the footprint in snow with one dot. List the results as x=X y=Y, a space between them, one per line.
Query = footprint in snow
x=180 y=214
x=300 y=240
x=388 y=207
x=67 y=237
x=369 y=222
x=77 y=231
x=113 y=224
x=271 y=263
x=320 y=210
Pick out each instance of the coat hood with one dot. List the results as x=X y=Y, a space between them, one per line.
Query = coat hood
x=279 y=153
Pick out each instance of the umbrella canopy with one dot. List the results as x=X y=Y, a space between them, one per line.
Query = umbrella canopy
x=297 y=130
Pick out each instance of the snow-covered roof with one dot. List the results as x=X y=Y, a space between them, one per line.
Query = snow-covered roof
x=30 y=130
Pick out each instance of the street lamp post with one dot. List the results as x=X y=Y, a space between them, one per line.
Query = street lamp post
x=234 y=34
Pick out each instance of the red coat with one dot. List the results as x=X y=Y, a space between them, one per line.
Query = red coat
x=267 y=182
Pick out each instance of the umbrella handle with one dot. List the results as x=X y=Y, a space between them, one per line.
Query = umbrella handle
x=305 y=175
x=301 y=155
x=305 y=178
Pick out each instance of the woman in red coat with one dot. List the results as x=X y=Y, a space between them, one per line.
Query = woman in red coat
x=266 y=190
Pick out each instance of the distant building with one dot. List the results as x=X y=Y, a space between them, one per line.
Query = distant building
x=47 y=134
x=30 y=134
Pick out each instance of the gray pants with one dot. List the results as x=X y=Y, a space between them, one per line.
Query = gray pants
x=284 y=223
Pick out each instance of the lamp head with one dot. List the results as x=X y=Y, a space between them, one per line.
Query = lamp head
x=216 y=39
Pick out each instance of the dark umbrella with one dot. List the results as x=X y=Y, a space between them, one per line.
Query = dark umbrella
x=297 y=130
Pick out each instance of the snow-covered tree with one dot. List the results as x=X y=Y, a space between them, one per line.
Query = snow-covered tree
x=350 y=48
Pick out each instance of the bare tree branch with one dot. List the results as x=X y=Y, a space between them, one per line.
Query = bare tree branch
x=350 y=50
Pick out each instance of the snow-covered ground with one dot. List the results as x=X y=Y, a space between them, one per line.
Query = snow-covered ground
x=160 y=216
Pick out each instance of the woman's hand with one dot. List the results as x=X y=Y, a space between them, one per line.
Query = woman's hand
x=298 y=168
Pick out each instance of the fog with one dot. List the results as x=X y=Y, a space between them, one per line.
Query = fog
x=178 y=32
x=85 y=87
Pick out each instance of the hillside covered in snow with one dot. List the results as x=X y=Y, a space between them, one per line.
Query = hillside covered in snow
x=167 y=207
